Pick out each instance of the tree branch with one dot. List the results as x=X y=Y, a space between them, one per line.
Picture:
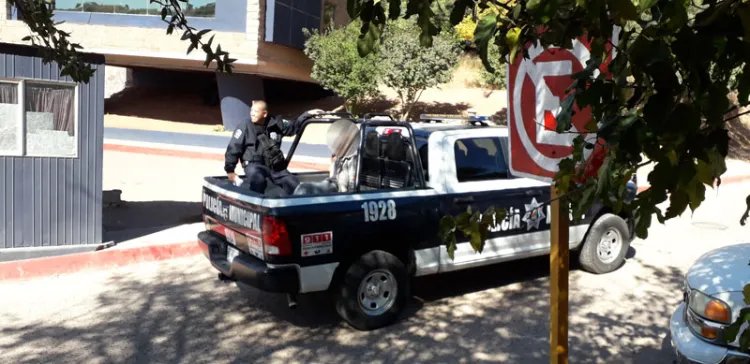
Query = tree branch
x=737 y=116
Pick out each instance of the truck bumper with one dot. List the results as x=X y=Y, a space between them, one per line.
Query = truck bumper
x=248 y=269
x=691 y=349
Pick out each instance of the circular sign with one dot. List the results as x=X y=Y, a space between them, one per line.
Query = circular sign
x=536 y=90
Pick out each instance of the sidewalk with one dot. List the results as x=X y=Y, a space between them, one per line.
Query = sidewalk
x=307 y=156
x=176 y=242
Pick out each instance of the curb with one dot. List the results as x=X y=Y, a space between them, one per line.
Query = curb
x=199 y=155
x=102 y=259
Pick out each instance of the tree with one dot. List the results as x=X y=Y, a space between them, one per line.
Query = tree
x=56 y=45
x=338 y=66
x=664 y=101
x=409 y=68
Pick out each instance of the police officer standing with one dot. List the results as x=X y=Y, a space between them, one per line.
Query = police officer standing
x=257 y=144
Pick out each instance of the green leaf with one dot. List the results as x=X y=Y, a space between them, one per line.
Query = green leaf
x=578 y=147
x=704 y=173
x=623 y=10
x=533 y=5
x=394 y=9
x=644 y=5
x=744 y=13
x=678 y=202
x=459 y=10
x=642 y=224
x=447 y=228
x=745 y=340
x=697 y=194
x=512 y=39
x=565 y=118
x=483 y=33
x=462 y=220
x=476 y=239
x=746 y=294
x=366 y=44
x=488 y=217
x=353 y=8
x=451 y=246
x=203 y=32
x=729 y=334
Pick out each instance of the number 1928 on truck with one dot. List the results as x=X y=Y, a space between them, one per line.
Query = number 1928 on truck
x=365 y=245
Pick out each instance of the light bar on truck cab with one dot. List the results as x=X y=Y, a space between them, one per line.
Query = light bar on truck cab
x=387 y=130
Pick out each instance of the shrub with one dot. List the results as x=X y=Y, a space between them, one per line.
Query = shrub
x=338 y=66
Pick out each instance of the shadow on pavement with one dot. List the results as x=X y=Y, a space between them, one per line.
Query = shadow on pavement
x=135 y=219
x=181 y=313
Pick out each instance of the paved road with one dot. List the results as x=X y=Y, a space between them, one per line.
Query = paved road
x=204 y=141
x=177 y=312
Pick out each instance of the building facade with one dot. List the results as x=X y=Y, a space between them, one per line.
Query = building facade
x=51 y=136
x=265 y=36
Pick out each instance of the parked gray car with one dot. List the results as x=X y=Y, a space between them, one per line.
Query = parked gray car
x=712 y=300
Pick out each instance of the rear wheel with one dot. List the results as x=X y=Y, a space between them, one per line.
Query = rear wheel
x=373 y=291
x=606 y=245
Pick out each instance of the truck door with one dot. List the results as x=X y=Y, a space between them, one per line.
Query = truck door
x=476 y=175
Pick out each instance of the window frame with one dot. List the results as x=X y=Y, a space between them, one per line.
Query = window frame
x=498 y=144
x=53 y=6
x=21 y=138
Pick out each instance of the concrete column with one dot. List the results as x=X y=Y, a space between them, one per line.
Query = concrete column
x=237 y=92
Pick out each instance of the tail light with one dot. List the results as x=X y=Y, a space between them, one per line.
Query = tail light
x=275 y=237
x=388 y=131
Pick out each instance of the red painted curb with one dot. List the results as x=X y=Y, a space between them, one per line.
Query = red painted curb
x=198 y=155
x=108 y=258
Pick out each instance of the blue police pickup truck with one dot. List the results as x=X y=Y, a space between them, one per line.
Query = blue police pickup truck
x=365 y=245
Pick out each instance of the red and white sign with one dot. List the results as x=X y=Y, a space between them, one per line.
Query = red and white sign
x=317 y=244
x=536 y=90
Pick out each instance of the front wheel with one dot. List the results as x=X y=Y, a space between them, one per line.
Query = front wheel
x=606 y=245
x=373 y=292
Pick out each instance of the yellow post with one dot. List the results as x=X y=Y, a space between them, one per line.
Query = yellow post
x=559 y=257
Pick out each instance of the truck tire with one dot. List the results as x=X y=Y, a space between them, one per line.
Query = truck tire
x=606 y=244
x=373 y=291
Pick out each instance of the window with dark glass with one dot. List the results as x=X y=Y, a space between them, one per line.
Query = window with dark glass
x=290 y=17
x=193 y=8
x=480 y=159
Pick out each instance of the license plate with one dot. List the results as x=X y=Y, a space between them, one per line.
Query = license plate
x=232 y=253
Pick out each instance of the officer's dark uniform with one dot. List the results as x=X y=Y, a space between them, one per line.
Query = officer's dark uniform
x=259 y=149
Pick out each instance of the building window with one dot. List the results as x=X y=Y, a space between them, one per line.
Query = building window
x=194 y=8
x=286 y=18
x=480 y=159
x=38 y=119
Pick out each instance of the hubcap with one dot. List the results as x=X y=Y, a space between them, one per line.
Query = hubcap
x=377 y=292
x=609 y=246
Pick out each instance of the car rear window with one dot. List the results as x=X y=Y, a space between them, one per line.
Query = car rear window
x=480 y=159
